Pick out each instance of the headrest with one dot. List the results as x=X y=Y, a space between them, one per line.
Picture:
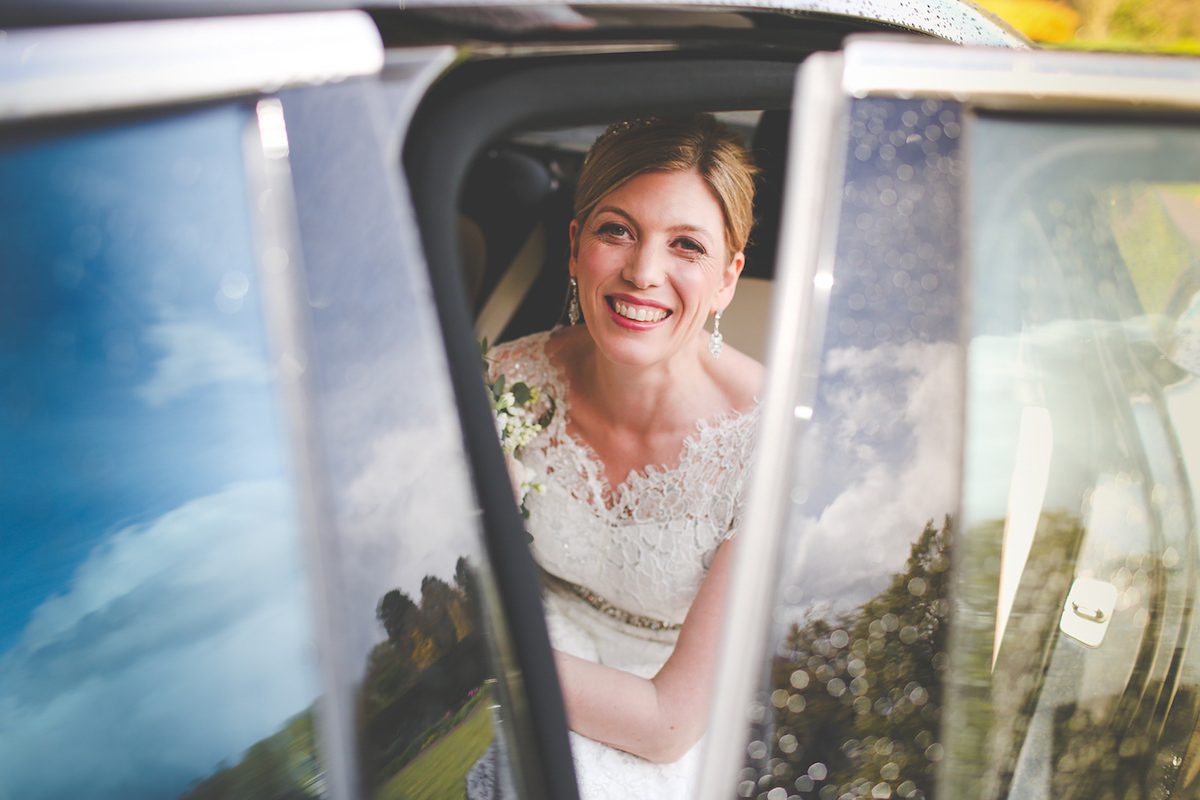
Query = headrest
x=770 y=155
x=502 y=177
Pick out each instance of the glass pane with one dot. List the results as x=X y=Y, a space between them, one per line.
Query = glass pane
x=1073 y=675
x=155 y=635
x=853 y=696
x=424 y=656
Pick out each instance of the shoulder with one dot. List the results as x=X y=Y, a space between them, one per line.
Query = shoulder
x=740 y=378
x=524 y=355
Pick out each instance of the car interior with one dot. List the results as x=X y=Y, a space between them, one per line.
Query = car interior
x=508 y=245
x=516 y=206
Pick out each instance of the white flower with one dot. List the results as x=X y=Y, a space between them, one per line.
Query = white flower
x=516 y=426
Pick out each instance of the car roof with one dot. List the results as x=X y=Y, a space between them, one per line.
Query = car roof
x=959 y=21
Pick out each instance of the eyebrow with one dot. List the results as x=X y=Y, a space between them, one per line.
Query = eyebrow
x=674 y=228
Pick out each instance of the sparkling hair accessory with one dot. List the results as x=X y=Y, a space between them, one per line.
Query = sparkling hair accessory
x=618 y=128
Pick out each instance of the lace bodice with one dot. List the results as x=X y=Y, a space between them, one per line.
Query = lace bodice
x=644 y=545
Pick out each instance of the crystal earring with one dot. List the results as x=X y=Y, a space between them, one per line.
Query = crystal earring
x=573 y=301
x=716 y=341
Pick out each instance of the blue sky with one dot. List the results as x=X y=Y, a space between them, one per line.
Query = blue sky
x=152 y=580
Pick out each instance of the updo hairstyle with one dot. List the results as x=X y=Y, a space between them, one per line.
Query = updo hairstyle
x=674 y=144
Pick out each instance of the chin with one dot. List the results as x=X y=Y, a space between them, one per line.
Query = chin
x=639 y=351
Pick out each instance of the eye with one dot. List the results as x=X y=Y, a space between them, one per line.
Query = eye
x=690 y=245
x=613 y=229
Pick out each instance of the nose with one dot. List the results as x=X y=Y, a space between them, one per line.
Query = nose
x=645 y=267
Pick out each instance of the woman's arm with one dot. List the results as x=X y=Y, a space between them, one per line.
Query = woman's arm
x=658 y=719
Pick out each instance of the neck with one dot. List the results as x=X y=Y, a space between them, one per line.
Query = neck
x=641 y=397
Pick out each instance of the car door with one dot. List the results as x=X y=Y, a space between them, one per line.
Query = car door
x=243 y=552
x=970 y=563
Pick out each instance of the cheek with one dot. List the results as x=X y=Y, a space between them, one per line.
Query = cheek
x=697 y=288
x=594 y=264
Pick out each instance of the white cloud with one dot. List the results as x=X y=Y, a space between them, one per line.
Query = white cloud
x=196 y=354
x=892 y=419
x=402 y=491
x=178 y=643
x=409 y=513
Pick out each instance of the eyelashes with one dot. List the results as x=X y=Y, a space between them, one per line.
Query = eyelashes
x=617 y=230
x=613 y=229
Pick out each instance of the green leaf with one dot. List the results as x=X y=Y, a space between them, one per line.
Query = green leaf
x=521 y=394
x=544 y=419
x=483 y=359
x=498 y=387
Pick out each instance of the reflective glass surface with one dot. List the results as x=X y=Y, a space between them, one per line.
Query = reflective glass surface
x=1074 y=674
x=853 y=696
x=421 y=643
x=155 y=634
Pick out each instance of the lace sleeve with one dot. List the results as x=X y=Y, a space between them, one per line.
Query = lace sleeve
x=739 y=513
x=746 y=439
x=522 y=359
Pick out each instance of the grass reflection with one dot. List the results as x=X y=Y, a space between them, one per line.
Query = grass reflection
x=421 y=694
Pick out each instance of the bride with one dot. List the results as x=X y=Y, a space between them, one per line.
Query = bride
x=645 y=464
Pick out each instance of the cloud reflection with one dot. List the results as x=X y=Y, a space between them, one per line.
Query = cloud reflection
x=889 y=434
x=177 y=644
x=194 y=354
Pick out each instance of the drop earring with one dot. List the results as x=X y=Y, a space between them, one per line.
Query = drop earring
x=573 y=301
x=716 y=341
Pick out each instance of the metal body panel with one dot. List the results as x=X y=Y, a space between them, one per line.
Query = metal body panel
x=957 y=21
x=89 y=68
x=1007 y=80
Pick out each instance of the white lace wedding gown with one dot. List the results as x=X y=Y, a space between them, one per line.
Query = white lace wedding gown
x=622 y=564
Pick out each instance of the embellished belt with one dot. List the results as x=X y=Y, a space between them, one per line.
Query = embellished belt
x=600 y=604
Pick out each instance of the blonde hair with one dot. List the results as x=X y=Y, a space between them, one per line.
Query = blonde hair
x=674 y=144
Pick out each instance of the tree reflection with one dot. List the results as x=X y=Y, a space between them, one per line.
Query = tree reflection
x=421 y=688
x=423 y=681
x=856 y=697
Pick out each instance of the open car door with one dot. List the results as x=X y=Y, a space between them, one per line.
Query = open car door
x=970 y=565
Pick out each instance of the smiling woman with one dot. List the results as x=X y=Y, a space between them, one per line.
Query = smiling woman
x=652 y=260
x=644 y=465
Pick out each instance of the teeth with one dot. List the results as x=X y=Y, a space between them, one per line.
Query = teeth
x=639 y=313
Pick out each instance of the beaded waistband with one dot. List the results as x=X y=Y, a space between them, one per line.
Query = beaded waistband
x=600 y=604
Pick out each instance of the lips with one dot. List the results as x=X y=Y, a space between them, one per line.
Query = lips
x=638 y=313
x=635 y=313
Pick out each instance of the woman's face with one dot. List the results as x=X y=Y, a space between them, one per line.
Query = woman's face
x=651 y=263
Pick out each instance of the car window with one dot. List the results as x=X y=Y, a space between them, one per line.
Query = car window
x=1073 y=670
x=155 y=635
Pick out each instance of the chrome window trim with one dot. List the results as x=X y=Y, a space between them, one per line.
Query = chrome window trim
x=1013 y=80
x=804 y=279
x=48 y=72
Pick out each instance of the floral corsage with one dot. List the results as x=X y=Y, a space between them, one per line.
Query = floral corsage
x=514 y=406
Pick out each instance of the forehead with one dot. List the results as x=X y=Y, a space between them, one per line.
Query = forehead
x=681 y=198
